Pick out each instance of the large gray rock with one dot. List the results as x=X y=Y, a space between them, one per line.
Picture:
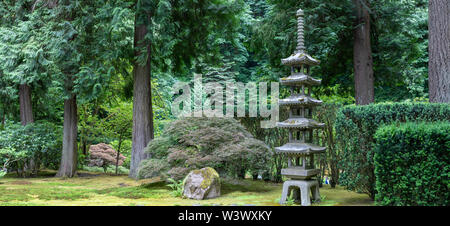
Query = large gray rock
x=202 y=184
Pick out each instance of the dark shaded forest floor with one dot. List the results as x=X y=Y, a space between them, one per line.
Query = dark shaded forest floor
x=102 y=189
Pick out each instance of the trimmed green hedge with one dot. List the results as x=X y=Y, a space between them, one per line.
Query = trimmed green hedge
x=356 y=126
x=412 y=164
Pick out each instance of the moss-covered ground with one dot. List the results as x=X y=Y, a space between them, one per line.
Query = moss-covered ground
x=102 y=189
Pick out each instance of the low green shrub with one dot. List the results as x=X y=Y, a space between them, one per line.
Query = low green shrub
x=109 y=169
x=192 y=143
x=412 y=165
x=40 y=141
x=356 y=126
x=10 y=157
x=326 y=137
x=153 y=167
x=2 y=173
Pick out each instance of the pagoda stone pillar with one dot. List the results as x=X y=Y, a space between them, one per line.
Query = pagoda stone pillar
x=300 y=149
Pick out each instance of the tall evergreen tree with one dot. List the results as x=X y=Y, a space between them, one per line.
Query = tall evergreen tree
x=169 y=34
x=24 y=52
x=362 y=54
x=143 y=130
x=90 y=45
x=18 y=49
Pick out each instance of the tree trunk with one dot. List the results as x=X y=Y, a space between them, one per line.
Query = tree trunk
x=26 y=110
x=118 y=154
x=84 y=147
x=439 y=51
x=142 y=101
x=26 y=117
x=68 y=165
x=362 y=55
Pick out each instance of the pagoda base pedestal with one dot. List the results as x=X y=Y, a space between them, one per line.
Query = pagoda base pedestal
x=301 y=189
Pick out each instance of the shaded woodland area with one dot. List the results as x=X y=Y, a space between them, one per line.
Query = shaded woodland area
x=77 y=73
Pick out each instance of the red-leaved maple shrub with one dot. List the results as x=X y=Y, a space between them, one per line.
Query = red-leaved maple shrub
x=103 y=155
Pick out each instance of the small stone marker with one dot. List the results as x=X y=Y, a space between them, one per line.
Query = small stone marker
x=202 y=184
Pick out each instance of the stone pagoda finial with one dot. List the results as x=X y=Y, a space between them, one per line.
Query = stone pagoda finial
x=300 y=57
x=300 y=34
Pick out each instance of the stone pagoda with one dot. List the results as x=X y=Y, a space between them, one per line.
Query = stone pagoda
x=300 y=150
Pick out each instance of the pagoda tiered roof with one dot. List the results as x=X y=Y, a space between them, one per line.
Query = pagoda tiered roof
x=300 y=79
x=299 y=149
x=300 y=106
x=299 y=99
x=300 y=58
x=300 y=123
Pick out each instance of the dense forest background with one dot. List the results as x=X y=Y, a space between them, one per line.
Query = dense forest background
x=80 y=71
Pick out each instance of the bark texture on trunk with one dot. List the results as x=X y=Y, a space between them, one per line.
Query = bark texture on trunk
x=362 y=55
x=26 y=117
x=439 y=51
x=142 y=102
x=26 y=110
x=69 y=158
x=118 y=155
